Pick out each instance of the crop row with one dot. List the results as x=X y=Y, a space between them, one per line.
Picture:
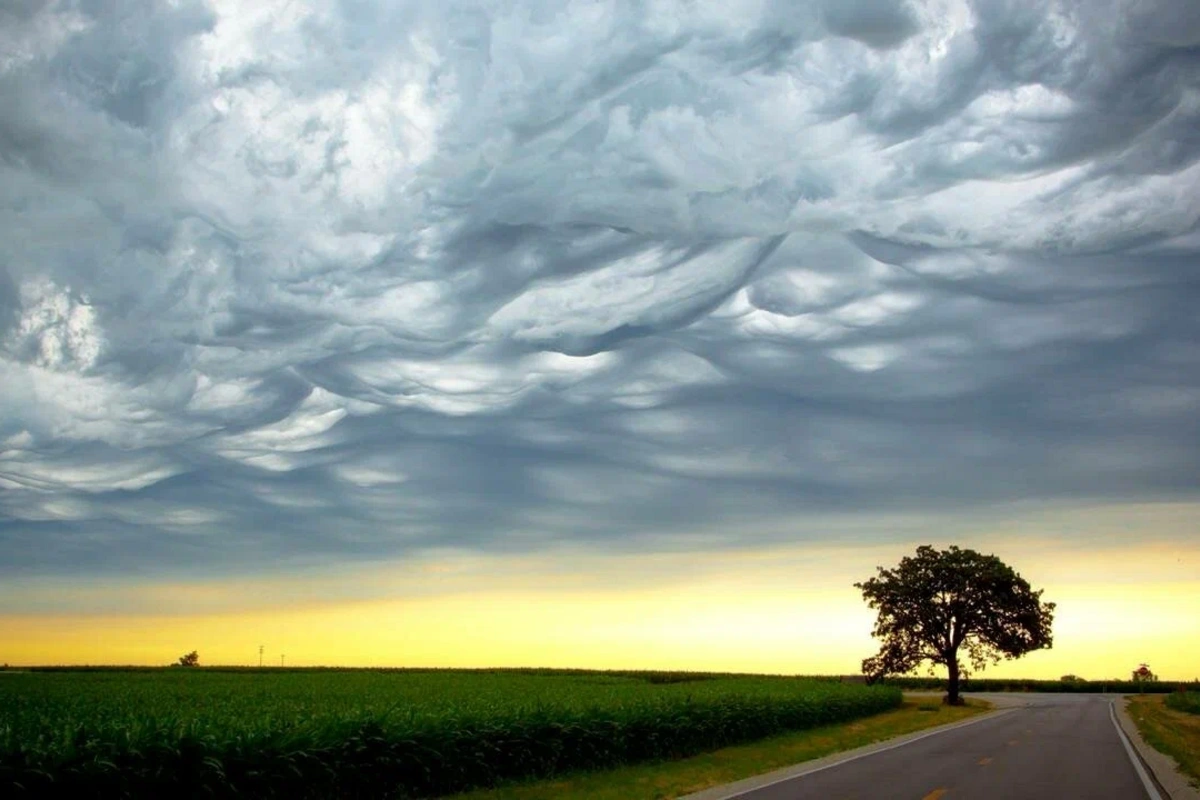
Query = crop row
x=355 y=735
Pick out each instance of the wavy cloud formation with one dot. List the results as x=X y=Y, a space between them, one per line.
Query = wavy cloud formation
x=303 y=281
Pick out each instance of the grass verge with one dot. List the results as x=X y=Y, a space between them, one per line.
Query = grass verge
x=1176 y=733
x=665 y=780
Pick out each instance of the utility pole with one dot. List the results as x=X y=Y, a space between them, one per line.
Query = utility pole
x=281 y=659
x=260 y=649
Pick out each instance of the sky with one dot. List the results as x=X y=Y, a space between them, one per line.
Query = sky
x=596 y=334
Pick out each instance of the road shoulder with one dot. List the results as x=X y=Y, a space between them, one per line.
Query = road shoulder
x=1165 y=770
x=731 y=790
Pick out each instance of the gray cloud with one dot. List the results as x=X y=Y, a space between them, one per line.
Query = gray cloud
x=321 y=281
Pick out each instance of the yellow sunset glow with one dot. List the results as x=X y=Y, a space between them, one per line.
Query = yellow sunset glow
x=787 y=610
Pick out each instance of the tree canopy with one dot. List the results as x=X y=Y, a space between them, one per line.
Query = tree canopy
x=939 y=602
x=191 y=659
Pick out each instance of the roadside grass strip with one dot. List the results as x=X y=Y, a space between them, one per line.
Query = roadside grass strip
x=1170 y=731
x=664 y=780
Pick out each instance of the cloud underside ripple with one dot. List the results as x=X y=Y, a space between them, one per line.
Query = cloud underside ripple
x=319 y=280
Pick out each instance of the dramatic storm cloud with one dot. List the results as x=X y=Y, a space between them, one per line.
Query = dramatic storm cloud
x=290 y=282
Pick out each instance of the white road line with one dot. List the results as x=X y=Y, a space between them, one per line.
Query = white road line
x=944 y=729
x=1151 y=792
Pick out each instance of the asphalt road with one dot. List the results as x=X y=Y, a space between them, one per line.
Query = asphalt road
x=1058 y=747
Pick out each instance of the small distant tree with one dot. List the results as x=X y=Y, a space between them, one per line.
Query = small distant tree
x=1069 y=678
x=192 y=659
x=939 y=601
x=1143 y=675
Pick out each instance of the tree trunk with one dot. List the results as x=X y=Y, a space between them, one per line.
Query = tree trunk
x=952 y=697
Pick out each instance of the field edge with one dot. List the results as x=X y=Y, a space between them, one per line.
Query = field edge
x=1167 y=740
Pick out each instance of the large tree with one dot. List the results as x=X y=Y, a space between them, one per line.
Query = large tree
x=940 y=602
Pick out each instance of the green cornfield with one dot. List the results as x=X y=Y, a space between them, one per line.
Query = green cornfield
x=377 y=734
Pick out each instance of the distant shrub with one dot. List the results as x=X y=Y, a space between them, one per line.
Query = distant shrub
x=1184 y=701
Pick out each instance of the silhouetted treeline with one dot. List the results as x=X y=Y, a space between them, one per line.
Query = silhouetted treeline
x=650 y=676
x=1115 y=685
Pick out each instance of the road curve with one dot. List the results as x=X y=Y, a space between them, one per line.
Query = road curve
x=1054 y=747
